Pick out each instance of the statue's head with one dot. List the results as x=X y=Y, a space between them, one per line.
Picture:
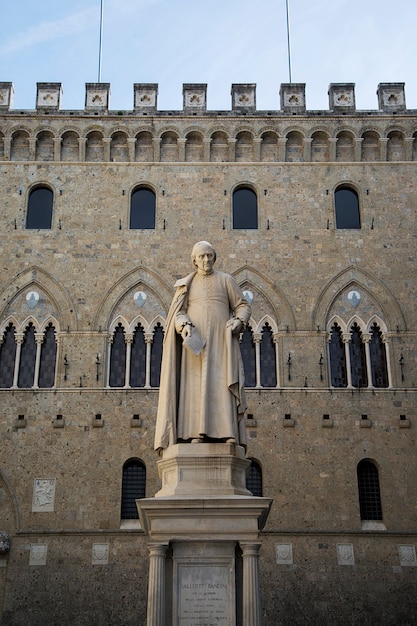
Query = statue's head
x=202 y=247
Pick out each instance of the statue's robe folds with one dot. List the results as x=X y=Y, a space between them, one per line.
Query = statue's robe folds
x=203 y=395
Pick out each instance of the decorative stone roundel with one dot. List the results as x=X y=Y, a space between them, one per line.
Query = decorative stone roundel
x=354 y=297
x=140 y=298
x=249 y=296
x=32 y=299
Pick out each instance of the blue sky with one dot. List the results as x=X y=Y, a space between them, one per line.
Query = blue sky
x=218 y=42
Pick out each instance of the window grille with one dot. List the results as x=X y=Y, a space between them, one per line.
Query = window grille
x=254 y=479
x=133 y=488
x=369 y=492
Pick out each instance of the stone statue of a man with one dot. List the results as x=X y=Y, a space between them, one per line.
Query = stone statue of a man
x=202 y=396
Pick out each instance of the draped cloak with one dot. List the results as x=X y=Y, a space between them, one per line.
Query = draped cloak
x=202 y=395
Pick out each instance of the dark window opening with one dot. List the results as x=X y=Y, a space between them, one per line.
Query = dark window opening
x=138 y=358
x=142 y=209
x=268 y=358
x=156 y=355
x=40 y=204
x=247 y=348
x=378 y=358
x=347 y=208
x=357 y=358
x=369 y=491
x=337 y=358
x=7 y=357
x=254 y=479
x=133 y=488
x=245 y=209
x=27 y=359
x=48 y=359
x=118 y=358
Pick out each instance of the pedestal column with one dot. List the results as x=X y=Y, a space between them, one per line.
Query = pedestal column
x=251 y=614
x=156 y=584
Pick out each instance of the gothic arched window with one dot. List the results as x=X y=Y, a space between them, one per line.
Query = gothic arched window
x=337 y=358
x=156 y=355
x=346 y=204
x=369 y=491
x=142 y=209
x=378 y=358
x=247 y=348
x=254 y=479
x=138 y=358
x=39 y=210
x=117 y=374
x=268 y=372
x=245 y=209
x=48 y=359
x=7 y=357
x=357 y=358
x=133 y=487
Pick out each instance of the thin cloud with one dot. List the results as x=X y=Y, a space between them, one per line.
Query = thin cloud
x=49 y=31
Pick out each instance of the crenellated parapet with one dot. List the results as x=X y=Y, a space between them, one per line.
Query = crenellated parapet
x=391 y=99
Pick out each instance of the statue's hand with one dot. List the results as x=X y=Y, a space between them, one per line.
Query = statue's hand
x=186 y=331
x=236 y=325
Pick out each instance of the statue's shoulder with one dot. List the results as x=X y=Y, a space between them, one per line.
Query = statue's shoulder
x=185 y=282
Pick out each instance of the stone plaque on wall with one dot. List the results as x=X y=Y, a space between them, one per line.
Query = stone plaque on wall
x=345 y=554
x=407 y=555
x=283 y=553
x=43 y=495
x=38 y=552
x=204 y=585
x=100 y=554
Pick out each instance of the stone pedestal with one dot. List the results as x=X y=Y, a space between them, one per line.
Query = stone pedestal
x=203 y=528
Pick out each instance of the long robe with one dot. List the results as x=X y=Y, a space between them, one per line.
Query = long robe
x=203 y=396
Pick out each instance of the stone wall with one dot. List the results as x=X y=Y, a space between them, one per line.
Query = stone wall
x=319 y=563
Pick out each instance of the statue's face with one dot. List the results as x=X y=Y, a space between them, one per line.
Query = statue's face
x=204 y=258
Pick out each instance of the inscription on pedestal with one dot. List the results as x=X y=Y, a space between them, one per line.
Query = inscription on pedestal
x=204 y=596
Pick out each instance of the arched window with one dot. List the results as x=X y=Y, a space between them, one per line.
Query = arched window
x=138 y=358
x=245 y=208
x=7 y=357
x=156 y=355
x=247 y=348
x=39 y=212
x=346 y=204
x=268 y=358
x=27 y=359
x=117 y=374
x=254 y=479
x=133 y=487
x=337 y=358
x=48 y=359
x=369 y=492
x=357 y=358
x=378 y=357
x=142 y=209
